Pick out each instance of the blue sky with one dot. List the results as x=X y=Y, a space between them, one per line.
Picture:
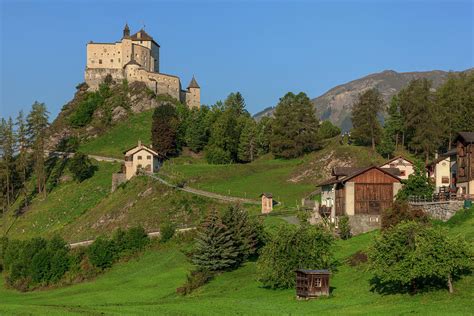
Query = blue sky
x=262 y=49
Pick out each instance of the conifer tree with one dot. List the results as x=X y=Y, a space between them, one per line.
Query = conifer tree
x=264 y=133
x=248 y=141
x=366 y=125
x=37 y=122
x=394 y=122
x=197 y=132
x=215 y=247
x=295 y=127
x=8 y=150
x=22 y=160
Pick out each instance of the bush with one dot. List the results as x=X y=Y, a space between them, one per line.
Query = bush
x=102 y=253
x=81 y=167
x=328 y=130
x=195 y=280
x=167 y=230
x=136 y=238
x=344 y=228
x=417 y=184
x=291 y=248
x=217 y=156
x=399 y=212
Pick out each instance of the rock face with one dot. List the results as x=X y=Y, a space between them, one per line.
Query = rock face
x=336 y=104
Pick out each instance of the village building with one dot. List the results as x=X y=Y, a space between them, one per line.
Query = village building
x=465 y=163
x=136 y=58
x=267 y=202
x=442 y=172
x=140 y=157
x=312 y=283
x=362 y=194
x=405 y=166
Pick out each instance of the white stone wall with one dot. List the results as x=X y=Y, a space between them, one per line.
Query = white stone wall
x=104 y=55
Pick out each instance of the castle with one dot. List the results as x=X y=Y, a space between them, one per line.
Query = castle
x=136 y=58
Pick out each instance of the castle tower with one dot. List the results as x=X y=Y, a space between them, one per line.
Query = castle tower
x=193 y=96
x=126 y=31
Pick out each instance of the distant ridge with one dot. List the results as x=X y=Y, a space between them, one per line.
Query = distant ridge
x=336 y=104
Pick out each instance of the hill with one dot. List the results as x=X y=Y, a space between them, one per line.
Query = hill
x=336 y=104
x=147 y=285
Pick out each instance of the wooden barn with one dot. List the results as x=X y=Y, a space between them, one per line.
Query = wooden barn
x=465 y=163
x=362 y=194
x=312 y=283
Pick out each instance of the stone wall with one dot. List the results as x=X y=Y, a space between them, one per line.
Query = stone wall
x=439 y=210
x=117 y=179
x=364 y=223
x=95 y=76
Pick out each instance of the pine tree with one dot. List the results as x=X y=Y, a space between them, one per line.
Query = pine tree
x=295 y=127
x=215 y=247
x=248 y=141
x=164 y=131
x=394 y=123
x=264 y=134
x=37 y=122
x=197 y=133
x=8 y=150
x=22 y=160
x=366 y=125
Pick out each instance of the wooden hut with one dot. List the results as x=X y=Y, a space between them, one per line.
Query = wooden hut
x=312 y=283
x=267 y=202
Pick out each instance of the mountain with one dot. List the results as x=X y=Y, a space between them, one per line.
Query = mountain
x=336 y=104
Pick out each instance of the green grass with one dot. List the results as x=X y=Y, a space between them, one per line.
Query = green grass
x=146 y=285
x=62 y=206
x=121 y=137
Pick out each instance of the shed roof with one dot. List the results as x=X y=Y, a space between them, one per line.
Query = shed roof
x=308 y=271
x=267 y=195
x=345 y=171
x=468 y=137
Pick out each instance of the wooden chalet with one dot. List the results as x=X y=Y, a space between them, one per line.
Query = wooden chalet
x=465 y=163
x=312 y=283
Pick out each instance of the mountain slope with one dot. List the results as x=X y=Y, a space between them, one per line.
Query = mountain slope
x=336 y=104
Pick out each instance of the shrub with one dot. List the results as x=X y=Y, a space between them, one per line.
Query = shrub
x=291 y=248
x=81 y=167
x=328 y=130
x=217 y=156
x=413 y=256
x=344 y=228
x=195 y=280
x=102 y=253
x=86 y=108
x=136 y=238
x=167 y=230
x=399 y=212
x=417 y=184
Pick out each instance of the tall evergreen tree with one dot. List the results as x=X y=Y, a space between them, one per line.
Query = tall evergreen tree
x=197 y=132
x=247 y=151
x=295 y=127
x=215 y=247
x=22 y=160
x=366 y=125
x=37 y=122
x=264 y=134
x=164 y=131
x=394 y=122
x=8 y=151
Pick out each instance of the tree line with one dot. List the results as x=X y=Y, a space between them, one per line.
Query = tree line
x=419 y=118
x=227 y=133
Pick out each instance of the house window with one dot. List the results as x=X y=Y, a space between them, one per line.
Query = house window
x=139 y=157
x=100 y=61
x=148 y=157
x=317 y=282
x=403 y=173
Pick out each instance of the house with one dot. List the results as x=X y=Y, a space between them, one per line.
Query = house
x=267 y=202
x=361 y=194
x=465 y=163
x=442 y=171
x=312 y=283
x=404 y=165
x=140 y=157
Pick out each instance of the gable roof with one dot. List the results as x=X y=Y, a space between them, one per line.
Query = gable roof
x=468 y=137
x=396 y=158
x=387 y=171
x=140 y=146
x=329 y=181
x=345 y=171
x=267 y=195
x=144 y=36
x=132 y=62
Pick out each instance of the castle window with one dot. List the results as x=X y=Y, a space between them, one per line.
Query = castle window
x=111 y=60
x=100 y=61
x=119 y=59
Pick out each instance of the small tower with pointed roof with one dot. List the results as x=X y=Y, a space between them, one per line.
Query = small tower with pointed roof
x=193 y=95
x=126 y=31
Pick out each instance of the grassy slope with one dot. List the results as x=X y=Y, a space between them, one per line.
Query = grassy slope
x=121 y=137
x=62 y=206
x=147 y=285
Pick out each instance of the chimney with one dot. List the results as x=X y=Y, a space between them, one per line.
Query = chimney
x=139 y=143
x=436 y=155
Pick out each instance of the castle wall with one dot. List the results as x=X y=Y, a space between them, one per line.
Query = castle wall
x=95 y=76
x=159 y=83
x=104 y=55
x=193 y=98
x=142 y=56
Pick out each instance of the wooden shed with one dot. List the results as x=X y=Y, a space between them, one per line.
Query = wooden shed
x=267 y=202
x=312 y=283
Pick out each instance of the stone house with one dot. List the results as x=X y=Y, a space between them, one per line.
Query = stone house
x=136 y=58
x=140 y=157
x=267 y=202
x=401 y=163
x=442 y=171
x=362 y=194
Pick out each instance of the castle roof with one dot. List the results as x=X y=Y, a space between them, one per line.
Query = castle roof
x=193 y=84
x=143 y=36
x=132 y=62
